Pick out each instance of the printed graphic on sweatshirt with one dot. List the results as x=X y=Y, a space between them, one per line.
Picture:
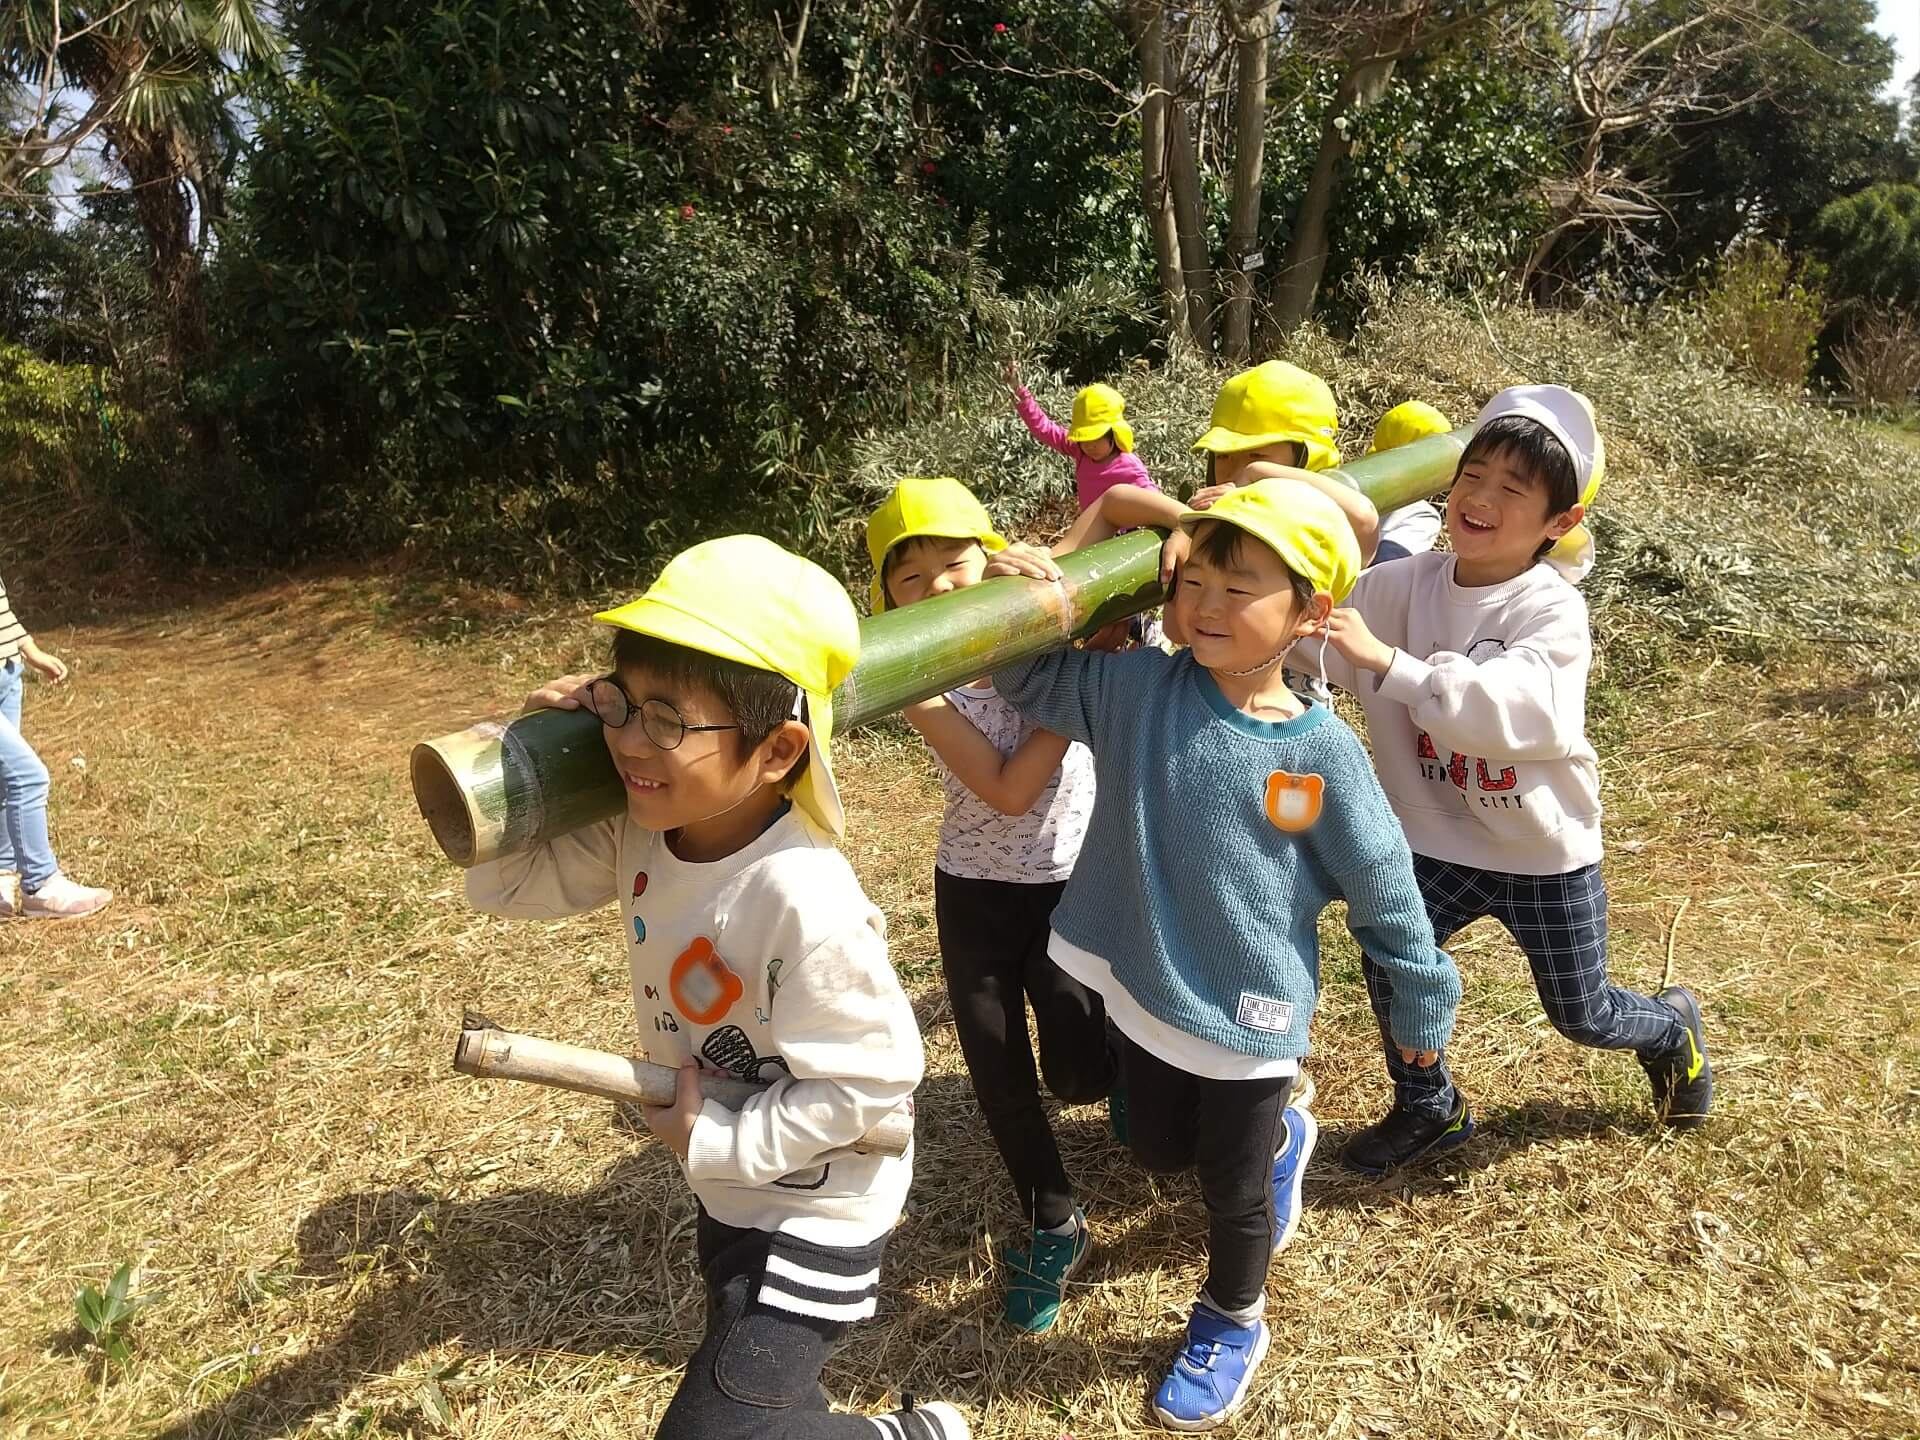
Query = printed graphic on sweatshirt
x=702 y=985
x=977 y=842
x=1293 y=801
x=729 y=1049
x=1474 y=779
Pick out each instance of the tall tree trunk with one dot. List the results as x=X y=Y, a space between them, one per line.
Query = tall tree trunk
x=156 y=170
x=1191 y=227
x=1146 y=26
x=1249 y=158
x=1298 y=282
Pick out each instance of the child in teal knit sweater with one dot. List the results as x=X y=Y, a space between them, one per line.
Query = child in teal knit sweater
x=1228 y=811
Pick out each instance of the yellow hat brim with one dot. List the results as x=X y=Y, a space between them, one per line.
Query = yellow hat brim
x=666 y=621
x=1322 y=453
x=817 y=795
x=1281 y=538
x=1121 y=431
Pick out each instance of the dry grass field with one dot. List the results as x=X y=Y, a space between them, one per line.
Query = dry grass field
x=237 y=1079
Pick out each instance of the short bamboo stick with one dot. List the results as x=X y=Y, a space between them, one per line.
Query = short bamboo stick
x=493 y=1054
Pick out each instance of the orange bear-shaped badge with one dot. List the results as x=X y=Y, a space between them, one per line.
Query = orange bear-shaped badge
x=1293 y=801
x=702 y=985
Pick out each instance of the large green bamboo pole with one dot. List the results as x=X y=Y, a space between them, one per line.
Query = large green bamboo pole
x=496 y=788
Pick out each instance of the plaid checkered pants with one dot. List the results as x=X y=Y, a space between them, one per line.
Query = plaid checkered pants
x=1561 y=923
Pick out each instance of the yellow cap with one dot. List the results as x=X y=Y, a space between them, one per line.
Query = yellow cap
x=920 y=505
x=1568 y=416
x=1096 y=410
x=1272 y=403
x=1299 y=524
x=744 y=598
x=1407 y=422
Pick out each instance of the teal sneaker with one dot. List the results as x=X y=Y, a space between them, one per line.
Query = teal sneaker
x=1037 y=1278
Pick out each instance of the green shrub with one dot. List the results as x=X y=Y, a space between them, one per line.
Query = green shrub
x=1871 y=243
x=59 y=441
x=1765 y=311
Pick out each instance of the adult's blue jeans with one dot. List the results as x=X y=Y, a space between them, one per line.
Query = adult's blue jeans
x=23 y=791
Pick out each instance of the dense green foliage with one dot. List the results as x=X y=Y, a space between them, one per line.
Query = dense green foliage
x=576 y=279
x=1443 y=177
x=1872 y=246
x=1821 y=126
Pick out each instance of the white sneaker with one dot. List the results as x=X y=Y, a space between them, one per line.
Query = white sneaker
x=9 y=894
x=61 y=899
x=934 y=1421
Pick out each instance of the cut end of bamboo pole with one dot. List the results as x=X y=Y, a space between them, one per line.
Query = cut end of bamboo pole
x=470 y=1050
x=443 y=803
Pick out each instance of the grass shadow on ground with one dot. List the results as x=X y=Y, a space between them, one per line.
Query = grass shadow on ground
x=480 y=1240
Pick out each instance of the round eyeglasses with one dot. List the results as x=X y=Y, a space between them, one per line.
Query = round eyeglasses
x=665 y=726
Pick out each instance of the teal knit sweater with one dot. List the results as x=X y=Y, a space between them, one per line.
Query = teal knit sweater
x=1216 y=841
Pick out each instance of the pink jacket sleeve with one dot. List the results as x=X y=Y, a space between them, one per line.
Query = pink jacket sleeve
x=1042 y=425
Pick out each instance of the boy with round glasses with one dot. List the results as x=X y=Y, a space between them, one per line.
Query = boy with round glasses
x=753 y=951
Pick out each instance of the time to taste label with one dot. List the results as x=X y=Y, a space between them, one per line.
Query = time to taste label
x=1263 y=1012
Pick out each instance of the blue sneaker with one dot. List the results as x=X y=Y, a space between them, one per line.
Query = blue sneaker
x=1289 y=1168
x=1212 y=1373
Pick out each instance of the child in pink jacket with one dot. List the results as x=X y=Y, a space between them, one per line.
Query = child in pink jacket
x=1100 y=444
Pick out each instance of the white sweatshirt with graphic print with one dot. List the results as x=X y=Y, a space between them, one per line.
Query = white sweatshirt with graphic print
x=771 y=964
x=1478 y=728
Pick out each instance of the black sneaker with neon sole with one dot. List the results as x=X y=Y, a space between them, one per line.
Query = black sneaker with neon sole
x=1683 y=1085
x=1402 y=1137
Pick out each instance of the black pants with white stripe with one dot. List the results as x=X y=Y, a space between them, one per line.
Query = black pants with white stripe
x=776 y=1307
x=1561 y=923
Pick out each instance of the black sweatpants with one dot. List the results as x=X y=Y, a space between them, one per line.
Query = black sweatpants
x=776 y=1307
x=1227 y=1132
x=993 y=951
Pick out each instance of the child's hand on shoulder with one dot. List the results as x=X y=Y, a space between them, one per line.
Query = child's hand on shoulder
x=569 y=692
x=672 y=1125
x=1206 y=495
x=1026 y=560
x=1349 y=634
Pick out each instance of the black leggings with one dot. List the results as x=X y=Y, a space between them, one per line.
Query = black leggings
x=1227 y=1132
x=993 y=951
